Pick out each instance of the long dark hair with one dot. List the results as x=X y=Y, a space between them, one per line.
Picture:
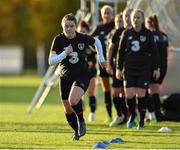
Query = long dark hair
x=84 y=24
x=155 y=22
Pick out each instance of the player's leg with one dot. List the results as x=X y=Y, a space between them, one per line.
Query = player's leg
x=65 y=86
x=154 y=92
x=107 y=97
x=92 y=99
x=130 y=94
x=151 y=109
x=141 y=106
x=142 y=86
x=77 y=91
x=117 y=100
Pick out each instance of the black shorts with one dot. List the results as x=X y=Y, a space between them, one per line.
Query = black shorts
x=161 y=78
x=66 y=85
x=102 y=72
x=140 y=80
x=116 y=83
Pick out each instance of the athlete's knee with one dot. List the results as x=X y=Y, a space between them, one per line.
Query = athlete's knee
x=67 y=107
x=141 y=92
x=73 y=101
x=117 y=92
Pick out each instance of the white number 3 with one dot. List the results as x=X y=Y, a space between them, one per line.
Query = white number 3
x=74 y=57
x=135 y=46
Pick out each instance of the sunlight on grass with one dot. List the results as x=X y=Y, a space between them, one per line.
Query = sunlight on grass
x=47 y=128
x=28 y=80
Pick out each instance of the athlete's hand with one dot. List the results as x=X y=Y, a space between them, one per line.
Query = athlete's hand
x=119 y=74
x=68 y=49
x=103 y=64
x=109 y=68
x=156 y=74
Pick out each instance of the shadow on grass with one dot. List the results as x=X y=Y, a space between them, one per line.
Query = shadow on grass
x=91 y=129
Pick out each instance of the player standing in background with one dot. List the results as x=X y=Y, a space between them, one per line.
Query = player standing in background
x=83 y=27
x=101 y=32
x=127 y=18
x=117 y=85
x=136 y=51
x=161 y=40
x=69 y=51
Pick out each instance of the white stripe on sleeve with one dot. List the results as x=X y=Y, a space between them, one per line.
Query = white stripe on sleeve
x=99 y=50
x=54 y=58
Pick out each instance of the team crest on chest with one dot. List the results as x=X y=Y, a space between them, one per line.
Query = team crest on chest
x=130 y=38
x=142 y=38
x=81 y=46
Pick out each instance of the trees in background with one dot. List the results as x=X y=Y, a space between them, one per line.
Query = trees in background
x=29 y=22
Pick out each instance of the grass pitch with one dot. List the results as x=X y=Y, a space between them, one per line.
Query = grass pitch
x=47 y=128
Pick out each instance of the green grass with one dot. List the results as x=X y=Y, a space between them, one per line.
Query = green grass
x=47 y=128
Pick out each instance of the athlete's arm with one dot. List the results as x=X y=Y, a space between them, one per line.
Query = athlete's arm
x=121 y=52
x=98 y=47
x=56 y=58
x=109 y=57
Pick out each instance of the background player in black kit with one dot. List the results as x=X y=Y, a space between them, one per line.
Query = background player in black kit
x=68 y=50
x=161 y=40
x=102 y=32
x=136 y=51
x=117 y=85
x=83 y=27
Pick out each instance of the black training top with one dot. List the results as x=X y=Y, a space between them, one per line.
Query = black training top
x=115 y=40
x=161 y=40
x=75 y=63
x=91 y=56
x=101 y=32
x=137 y=50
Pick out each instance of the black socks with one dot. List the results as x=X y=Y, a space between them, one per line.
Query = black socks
x=108 y=103
x=72 y=120
x=92 y=103
x=118 y=105
x=142 y=108
x=79 y=111
x=132 y=107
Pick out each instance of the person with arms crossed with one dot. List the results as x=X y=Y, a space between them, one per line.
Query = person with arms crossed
x=136 y=51
x=68 y=50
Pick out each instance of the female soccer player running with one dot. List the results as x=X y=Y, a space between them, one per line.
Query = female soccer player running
x=161 y=40
x=136 y=51
x=68 y=50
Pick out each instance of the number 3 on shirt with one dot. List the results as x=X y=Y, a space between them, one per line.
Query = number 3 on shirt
x=74 y=57
x=135 y=46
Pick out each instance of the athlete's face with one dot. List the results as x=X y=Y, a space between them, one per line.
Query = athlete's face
x=137 y=19
x=82 y=30
x=107 y=15
x=148 y=24
x=118 y=22
x=69 y=28
x=127 y=18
